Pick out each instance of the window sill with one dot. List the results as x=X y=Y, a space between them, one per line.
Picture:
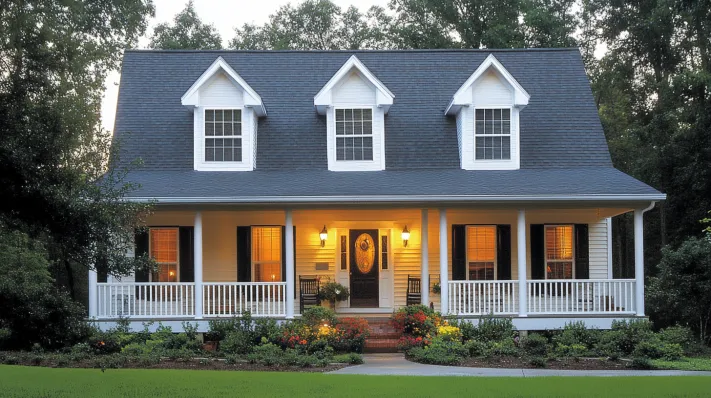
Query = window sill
x=223 y=166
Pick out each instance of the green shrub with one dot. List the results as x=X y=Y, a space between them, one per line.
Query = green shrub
x=642 y=363
x=237 y=342
x=231 y=359
x=317 y=316
x=503 y=348
x=477 y=348
x=572 y=351
x=104 y=342
x=267 y=328
x=439 y=352
x=493 y=329
x=468 y=329
x=534 y=345
x=538 y=362
x=267 y=354
x=350 y=358
x=630 y=333
x=609 y=344
x=576 y=333
x=681 y=335
x=656 y=349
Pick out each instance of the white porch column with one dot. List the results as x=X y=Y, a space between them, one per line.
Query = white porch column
x=521 y=254
x=443 y=263
x=197 y=249
x=93 y=294
x=289 y=244
x=425 y=253
x=639 y=260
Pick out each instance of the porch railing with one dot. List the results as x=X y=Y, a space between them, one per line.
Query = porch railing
x=146 y=300
x=602 y=296
x=483 y=297
x=225 y=299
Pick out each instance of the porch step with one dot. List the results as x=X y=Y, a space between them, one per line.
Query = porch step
x=383 y=337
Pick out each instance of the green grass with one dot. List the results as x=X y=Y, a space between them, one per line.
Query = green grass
x=18 y=381
x=684 y=364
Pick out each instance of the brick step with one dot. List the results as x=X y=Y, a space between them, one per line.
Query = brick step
x=380 y=345
x=385 y=336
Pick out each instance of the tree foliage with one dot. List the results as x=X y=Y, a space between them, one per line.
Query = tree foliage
x=187 y=32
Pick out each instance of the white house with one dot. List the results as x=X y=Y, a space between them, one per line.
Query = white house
x=483 y=172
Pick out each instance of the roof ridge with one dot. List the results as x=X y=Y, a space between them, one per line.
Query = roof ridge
x=430 y=50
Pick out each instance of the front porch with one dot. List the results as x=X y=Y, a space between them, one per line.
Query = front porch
x=218 y=278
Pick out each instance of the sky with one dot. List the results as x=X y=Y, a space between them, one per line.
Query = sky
x=225 y=15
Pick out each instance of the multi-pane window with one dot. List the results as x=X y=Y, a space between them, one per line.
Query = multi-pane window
x=223 y=135
x=481 y=253
x=266 y=254
x=492 y=134
x=559 y=252
x=354 y=134
x=164 y=250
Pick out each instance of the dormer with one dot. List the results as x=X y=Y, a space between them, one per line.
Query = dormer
x=487 y=109
x=225 y=114
x=354 y=102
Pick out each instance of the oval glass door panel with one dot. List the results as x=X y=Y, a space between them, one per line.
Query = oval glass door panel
x=364 y=253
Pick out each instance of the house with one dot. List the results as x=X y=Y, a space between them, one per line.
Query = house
x=484 y=173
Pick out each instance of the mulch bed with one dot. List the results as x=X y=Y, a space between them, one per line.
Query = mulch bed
x=561 y=363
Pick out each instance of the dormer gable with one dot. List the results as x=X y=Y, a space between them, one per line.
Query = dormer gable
x=225 y=116
x=487 y=109
x=354 y=102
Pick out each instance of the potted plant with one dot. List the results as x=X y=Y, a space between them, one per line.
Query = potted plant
x=333 y=292
x=211 y=340
x=436 y=288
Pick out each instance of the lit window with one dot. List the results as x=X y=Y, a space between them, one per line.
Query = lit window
x=354 y=134
x=481 y=253
x=223 y=135
x=559 y=252
x=492 y=134
x=164 y=250
x=266 y=254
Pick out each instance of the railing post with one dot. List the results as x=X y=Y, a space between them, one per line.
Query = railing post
x=290 y=277
x=197 y=241
x=639 y=260
x=521 y=254
x=93 y=294
x=425 y=253
x=443 y=263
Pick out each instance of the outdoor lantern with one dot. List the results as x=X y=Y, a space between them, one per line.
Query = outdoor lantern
x=323 y=235
x=405 y=236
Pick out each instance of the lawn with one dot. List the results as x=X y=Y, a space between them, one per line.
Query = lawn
x=18 y=381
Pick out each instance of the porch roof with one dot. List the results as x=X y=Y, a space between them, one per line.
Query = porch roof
x=601 y=184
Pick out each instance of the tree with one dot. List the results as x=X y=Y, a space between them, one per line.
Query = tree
x=53 y=153
x=188 y=32
x=682 y=290
x=316 y=25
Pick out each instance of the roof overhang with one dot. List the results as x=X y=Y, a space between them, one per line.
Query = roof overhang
x=383 y=97
x=463 y=96
x=251 y=99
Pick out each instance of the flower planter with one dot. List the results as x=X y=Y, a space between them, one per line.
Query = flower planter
x=210 y=345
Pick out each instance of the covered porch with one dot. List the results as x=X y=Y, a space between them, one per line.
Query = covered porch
x=542 y=265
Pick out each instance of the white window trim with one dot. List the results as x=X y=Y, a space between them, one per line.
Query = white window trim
x=246 y=164
x=545 y=247
x=466 y=251
x=177 y=251
x=371 y=135
x=510 y=135
x=378 y=125
x=468 y=145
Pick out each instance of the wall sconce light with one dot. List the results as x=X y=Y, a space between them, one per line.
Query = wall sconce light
x=323 y=235
x=405 y=236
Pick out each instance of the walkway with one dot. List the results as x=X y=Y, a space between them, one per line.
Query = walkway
x=396 y=364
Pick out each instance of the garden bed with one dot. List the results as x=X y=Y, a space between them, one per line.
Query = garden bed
x=558 y=363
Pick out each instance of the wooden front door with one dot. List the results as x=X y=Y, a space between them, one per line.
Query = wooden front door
x=364 y=268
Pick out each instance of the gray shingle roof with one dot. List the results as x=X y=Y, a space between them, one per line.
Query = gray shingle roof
x=561 y=135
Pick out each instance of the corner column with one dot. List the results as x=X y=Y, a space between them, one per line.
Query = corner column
x=197 y=249
x=521 y=254
x=443 y=263
x=93 y=294
x=639 y=260
x=425 y=253
x=289 y=245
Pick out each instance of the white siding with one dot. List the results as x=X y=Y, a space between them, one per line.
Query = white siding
x=221 y=91
x=354 y=89
x=598 y=249
x=460 y=131
x=490 y=89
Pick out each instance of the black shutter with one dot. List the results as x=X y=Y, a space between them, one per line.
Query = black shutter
x=459 y=252
x=538 y=260
x=141 y=249
x=503 y=252
x=186 y=239
x=244 y=254
x=283 y=257
x=582 y=254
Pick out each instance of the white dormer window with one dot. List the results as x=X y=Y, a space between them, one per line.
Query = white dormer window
x=487 y=108
x=225 y=113
x=354 y=102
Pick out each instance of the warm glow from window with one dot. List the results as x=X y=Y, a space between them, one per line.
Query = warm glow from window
x=559 y=251
x=164 y=250
x=266 y=254
x=481 y=252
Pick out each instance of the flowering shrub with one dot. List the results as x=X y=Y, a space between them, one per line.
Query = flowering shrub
x=406 y=343
x=416 y=320
x=449 y=333
x=352 y=333
x=296 y=334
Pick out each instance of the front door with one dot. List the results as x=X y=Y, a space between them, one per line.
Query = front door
x=364 y=268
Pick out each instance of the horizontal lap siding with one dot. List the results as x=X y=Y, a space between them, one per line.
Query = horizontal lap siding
x=598 y=249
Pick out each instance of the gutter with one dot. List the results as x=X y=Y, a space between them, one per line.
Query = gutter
x=402 y=199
